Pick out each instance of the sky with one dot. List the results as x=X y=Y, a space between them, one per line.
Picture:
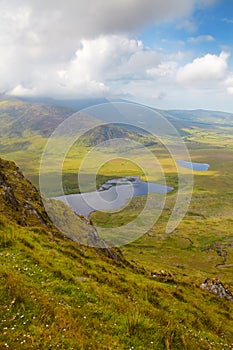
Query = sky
x=164 y=53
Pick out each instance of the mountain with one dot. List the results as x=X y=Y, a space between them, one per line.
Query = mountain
x=107 y=132
x=55 y=293
x=75 y=105
x=19 y=118
x=200 y=118
x=195 y=117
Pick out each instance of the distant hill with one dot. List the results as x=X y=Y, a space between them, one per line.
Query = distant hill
x=19 y=118
x=75 y=105
x=200 y=117
x=111 y=131
x=194 y=117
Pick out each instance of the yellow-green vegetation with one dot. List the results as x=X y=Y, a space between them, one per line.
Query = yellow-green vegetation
x=55 y=293
x=203 y=243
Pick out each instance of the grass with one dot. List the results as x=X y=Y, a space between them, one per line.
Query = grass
x=55 y=293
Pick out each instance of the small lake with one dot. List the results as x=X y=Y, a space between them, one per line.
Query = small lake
x=193 y=166
x=113 y=194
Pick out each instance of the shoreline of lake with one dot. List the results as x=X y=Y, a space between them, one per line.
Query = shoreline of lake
x=113 y=194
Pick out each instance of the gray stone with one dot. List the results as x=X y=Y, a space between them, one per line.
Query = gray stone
x=216 y=287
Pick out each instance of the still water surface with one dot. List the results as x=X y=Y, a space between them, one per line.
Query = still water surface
x=113 y=194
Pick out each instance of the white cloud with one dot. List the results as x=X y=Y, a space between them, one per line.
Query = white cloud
x=34 y=32
x=201 y=39
x=165 y=69
x=93 y=69
x=76 y=48
x=204 y=69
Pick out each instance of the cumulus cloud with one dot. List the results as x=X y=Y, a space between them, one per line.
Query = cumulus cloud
x=39 y=39
x=165 y=69
x=93 y=69
x=94 y=17
x=80 y=49
x=204 y=69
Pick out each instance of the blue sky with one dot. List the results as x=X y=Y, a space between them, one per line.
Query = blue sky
x=164 y=53
x=215 y=21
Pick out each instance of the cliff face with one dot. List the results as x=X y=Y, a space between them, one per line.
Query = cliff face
x=20 y=201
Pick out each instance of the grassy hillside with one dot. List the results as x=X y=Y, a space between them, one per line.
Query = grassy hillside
x=20 y=119
x=56 y=294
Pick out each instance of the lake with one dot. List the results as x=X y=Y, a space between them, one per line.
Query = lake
x=193 y=166
x=113 y=194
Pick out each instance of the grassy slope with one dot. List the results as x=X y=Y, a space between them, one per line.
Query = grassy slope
x=56 y=294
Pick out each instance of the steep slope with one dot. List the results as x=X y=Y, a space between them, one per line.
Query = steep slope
x=20 y=200
x=22 y=204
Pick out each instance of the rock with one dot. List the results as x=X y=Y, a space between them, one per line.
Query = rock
x=216 y=287
x=20 y=201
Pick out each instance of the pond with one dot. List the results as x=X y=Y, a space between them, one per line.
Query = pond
x=113 y=194
x=193 y=166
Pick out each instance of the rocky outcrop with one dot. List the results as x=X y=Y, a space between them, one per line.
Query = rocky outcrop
x=216 y=287
x=20 y=201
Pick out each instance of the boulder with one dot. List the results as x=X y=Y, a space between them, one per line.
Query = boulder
x=216 y=287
